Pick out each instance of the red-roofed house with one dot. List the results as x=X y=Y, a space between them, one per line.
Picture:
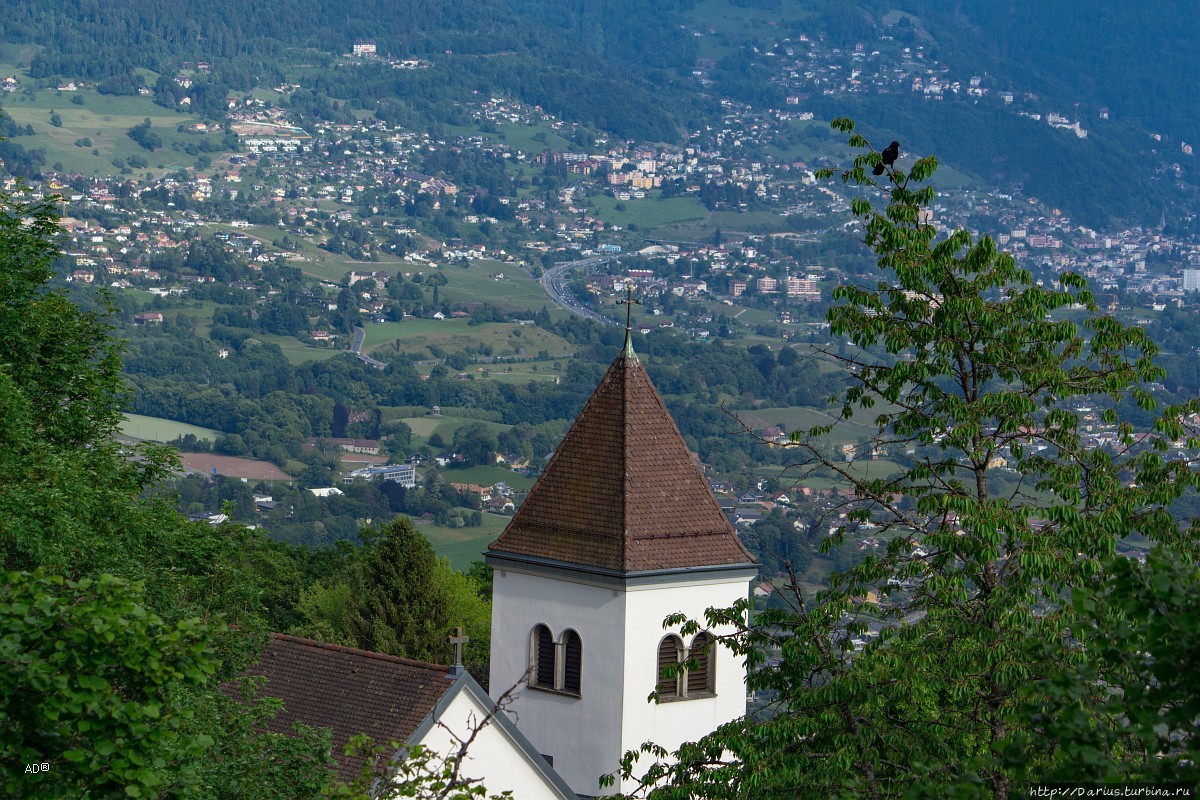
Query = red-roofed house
x=388 y=698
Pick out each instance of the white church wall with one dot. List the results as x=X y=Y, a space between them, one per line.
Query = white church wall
x=672 y=723
x=494 y=757
x=581 y=734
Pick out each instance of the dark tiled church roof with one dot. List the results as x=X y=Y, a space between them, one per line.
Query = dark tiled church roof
x=348 y=690
x=623 y=493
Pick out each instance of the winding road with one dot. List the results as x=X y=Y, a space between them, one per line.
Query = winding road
x=360 y=335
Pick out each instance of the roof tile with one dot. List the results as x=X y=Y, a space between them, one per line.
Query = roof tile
x=622 y=492
x=348 y=690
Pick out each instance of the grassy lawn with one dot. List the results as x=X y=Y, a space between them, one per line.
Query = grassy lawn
x=17 y=57
x=425 y=427
x=464 y=545
x=453 y=335
x=201 y=314
x=739 y=222
x=731 y=223
x=739 y=20
x=523 y=372
x=317 y=263
x=157 y=429
x=296 y=352
x=528 y=139
x=648 y=212
x=488 y=476
x=798 y=418
x=516 y=292
x=105 y=119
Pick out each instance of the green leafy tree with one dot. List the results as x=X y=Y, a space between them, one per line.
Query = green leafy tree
x=94 y=683
x=1127 y=712
x=107 y=673
x=969 y=360
x=247 y=763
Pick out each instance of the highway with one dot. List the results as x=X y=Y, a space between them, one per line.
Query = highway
x=555 y=279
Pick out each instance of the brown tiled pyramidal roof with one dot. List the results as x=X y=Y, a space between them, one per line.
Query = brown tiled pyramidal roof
x=348 y=690
x=622 y=493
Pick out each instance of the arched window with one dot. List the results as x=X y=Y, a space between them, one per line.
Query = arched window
x=555 y=666
x=695 y=676
x=700 y=674
x=572 y=662
x=542 y=658
x=670 y=653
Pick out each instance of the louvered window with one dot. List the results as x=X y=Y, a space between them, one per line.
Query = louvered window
x=573 y=663
x=669 y=651
x=556 y=666
x=543 y=657
x=700 y=658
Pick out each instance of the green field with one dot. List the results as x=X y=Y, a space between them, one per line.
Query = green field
x=726 y=25
x=320 y=263
x=156 y=429
x=528 y=139
x=522 y=372
x=464 y=545
x=425 y=427
x=732 y=224
x=105 y=119
x=792 y=419
x=648 y=212
x=200 y=312
x=453 y=335
x=296 y=352
x=516 y=292
x=488 y=476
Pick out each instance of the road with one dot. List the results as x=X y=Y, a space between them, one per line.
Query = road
x=360 y=335
x=555 y=279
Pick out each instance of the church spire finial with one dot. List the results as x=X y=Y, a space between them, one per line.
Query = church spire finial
x=627 y=351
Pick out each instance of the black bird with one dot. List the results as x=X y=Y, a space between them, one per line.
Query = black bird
x=887 y=157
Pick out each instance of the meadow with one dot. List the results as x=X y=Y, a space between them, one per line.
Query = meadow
x=488 y=476
x=104 y=120
x=528 y=139
x=462 y=546
x=415 y=336
x=427 y=426
x=157 y=429
x=515 y=292
x=296 y=352
x=648 y=212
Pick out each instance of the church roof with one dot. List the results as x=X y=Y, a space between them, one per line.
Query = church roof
x=623 y=493
x=348 y=690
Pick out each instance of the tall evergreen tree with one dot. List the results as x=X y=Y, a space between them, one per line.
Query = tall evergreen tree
x=398 y=608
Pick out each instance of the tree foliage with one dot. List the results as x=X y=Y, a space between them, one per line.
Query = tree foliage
x=91 y=681
x=1127 y=712
x=115 y=611
x=971 y=365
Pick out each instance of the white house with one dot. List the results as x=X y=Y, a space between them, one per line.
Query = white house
x=388 y=698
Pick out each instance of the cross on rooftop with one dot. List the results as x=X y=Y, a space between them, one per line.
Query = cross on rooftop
x=458 y=639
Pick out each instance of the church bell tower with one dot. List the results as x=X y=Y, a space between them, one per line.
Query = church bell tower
x=619 y=531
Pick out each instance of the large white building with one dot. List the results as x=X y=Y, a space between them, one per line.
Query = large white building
x=1191 y=280
x=620 y=531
